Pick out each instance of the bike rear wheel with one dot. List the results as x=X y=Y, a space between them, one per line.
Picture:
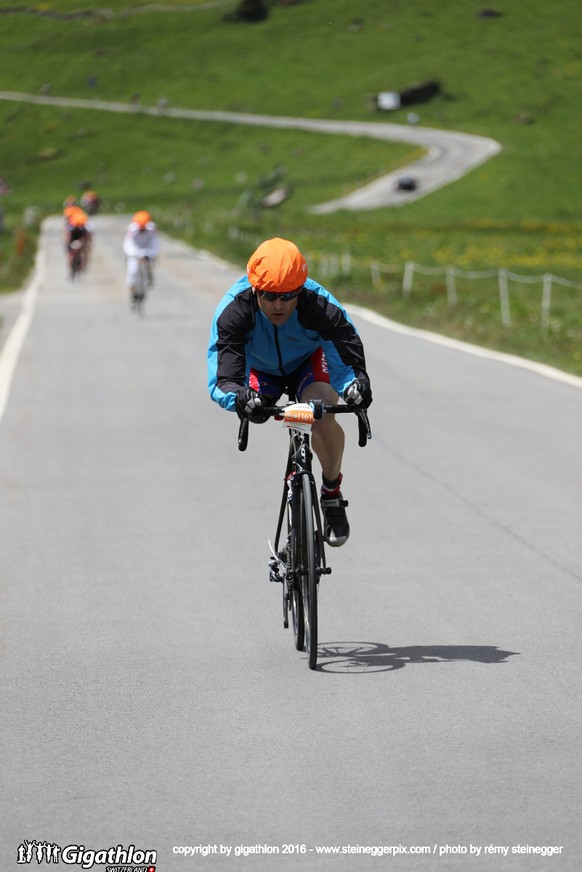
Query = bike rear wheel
x=75 y=261
x=309 y=567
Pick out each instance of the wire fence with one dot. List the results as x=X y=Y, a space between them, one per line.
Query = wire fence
x=503 y=277
x=333 y=266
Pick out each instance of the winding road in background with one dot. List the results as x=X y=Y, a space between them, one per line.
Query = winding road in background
x=150 y=695
x=449 y=156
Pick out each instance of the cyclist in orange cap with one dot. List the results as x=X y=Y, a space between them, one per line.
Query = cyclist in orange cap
x=141 y=243
x=78 y=233
x=69 y=208
x=277 y=331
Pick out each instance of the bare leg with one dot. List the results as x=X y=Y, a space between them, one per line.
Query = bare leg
x=327 y=436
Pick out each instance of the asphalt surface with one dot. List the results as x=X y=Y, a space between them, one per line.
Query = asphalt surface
x=150 y=695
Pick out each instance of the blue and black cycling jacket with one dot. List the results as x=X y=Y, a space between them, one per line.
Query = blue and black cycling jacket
x=242 y=337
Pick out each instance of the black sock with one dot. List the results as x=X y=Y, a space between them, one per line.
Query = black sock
x=331 y=487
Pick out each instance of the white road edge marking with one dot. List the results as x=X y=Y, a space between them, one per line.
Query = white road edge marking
x=499 y=356
x=10 y=352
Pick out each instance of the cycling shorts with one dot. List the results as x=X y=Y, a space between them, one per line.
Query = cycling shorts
x=314 y=369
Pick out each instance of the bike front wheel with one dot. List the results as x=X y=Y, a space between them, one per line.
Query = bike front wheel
x=309 y=567
x=293 y=585
x=140 y=292
x=75 y=263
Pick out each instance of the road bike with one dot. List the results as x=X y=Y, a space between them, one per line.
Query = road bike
x=298 y=553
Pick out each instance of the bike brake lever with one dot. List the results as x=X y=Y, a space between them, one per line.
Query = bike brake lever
x=243 y=434
x=364 y=430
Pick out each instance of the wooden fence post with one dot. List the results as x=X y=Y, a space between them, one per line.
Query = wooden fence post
x=451 y=287
x=407 y=279
x=504 y=298
x=546 y=302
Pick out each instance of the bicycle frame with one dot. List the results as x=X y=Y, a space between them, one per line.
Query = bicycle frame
x=75 y=255
x=299 y=464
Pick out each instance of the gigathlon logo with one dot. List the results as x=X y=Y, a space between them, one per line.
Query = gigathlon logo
x=118 y=859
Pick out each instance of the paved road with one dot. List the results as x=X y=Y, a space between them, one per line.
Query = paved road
x=449 y=154
x=149 y=693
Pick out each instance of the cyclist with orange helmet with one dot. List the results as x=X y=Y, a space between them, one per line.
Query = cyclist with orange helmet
x=70 y=206
x=141 y=243
x=78 y=234
x=277 y=331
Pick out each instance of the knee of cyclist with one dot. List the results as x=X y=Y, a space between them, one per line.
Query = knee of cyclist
x=324 y=428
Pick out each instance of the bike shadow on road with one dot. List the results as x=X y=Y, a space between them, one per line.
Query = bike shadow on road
x=360 y=657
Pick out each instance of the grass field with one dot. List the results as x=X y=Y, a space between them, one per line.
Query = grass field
x=515 y=77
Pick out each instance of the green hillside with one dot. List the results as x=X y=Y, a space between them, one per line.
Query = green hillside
x=515 y=76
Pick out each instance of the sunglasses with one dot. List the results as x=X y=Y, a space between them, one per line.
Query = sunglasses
x=270 y=297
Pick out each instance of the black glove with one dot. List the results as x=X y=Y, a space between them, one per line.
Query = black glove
x=248 y=405
x=359 y=392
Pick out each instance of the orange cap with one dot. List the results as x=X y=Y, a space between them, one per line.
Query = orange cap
x=141 y=218
x=277 y=266
x=77 y=217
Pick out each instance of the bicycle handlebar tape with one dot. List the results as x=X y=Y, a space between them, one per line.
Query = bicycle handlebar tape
x=317 y=406
x=364 y=432
x=243 y=434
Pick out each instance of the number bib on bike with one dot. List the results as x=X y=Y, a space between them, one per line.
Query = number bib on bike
x=298 y=416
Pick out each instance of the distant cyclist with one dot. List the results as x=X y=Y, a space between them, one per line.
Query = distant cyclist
x=277 y=331
x=90 y=202
x=141 y=243
x=70 y=206
x=78 y=235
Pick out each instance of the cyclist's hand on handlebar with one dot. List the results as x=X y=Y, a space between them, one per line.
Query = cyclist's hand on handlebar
x=249 y=405
x=359 y=393
x=246 y=401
